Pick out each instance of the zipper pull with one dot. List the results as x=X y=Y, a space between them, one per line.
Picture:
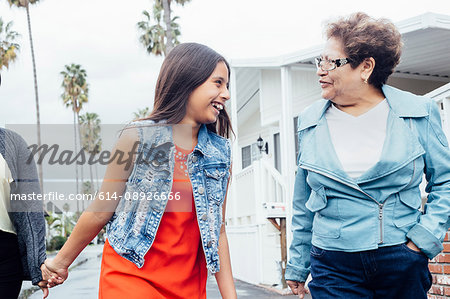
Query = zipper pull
x=380 y=212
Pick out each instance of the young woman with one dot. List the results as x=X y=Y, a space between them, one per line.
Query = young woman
x=165 y=213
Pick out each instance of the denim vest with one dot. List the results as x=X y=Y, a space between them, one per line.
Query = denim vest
x=133 y=227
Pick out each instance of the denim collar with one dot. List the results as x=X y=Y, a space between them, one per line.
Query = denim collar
x=203 y=146
x=204 y=141
x=321 y=155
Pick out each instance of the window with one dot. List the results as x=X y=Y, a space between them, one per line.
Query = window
x=250 y=153
x=246 y=156
x=296 y=138
x=277 y=151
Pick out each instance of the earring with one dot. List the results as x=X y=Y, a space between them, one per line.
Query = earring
x=365 y=81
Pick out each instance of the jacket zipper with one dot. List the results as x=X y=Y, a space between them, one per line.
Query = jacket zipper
x=380 y=205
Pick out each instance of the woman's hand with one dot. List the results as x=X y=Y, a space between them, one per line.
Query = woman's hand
x=58 y=274
x=46 y=275
x=298 y=288
x=413 y=246
x=43 y=285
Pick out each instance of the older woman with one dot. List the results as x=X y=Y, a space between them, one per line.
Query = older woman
x=22 y=223
x=358 y=226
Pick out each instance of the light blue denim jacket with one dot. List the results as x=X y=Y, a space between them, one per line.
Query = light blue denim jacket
x=381 y=208
x=134 y=225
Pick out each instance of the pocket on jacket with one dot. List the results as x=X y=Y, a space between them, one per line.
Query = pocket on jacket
x=327 y=221
x=215 y=181
x=317 y=200
x=406 y=209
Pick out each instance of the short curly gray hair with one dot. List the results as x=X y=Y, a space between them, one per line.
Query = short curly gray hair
x=363 y=37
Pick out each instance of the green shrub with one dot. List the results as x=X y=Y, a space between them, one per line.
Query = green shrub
x=56 y=243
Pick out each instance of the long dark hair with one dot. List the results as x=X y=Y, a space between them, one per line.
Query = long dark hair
x=186 y=67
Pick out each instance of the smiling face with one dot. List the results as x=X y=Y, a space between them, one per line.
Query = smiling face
x=343 y=84
x=207 y=100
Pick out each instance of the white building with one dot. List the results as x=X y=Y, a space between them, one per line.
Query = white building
x=267 y=95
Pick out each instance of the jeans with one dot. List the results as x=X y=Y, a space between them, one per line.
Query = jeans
x=10 y=266
x=396 y=272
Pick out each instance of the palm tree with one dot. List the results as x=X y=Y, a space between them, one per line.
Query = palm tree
x=156 y=39
x=90 y=137
x=8 y=49
x=26 y=3
x=74 y=95
x=96 y=151
x=141 y=113
x=172 y=28
x=152 y=35
x=87 y=188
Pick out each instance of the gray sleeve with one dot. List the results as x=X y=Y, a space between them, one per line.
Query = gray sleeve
x=27 y=215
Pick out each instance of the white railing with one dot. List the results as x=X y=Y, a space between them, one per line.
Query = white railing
x=245 y=194
x=257 y=187
x=272 y=183
x=250 y=234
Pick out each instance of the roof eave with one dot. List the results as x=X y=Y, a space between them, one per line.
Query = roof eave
x=426 y=20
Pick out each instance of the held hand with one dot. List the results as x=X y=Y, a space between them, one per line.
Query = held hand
x=298 y=288
x=43 y=285
x=58 y=274
x=46 y=275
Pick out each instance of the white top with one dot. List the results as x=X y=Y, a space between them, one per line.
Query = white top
x=5 y=178
x=358 y=140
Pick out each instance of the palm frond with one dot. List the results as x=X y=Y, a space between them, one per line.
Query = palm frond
x=8 y=49
x=152 y=34
x=75 y=86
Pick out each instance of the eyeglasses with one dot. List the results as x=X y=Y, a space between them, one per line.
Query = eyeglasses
x=329 y=64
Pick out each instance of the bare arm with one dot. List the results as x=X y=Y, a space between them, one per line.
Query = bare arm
x=224 y=277
x=98 y=213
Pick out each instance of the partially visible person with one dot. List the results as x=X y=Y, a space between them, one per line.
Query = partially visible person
x=357 y=222
x=22 y=223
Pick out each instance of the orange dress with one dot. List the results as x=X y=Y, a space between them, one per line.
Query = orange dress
x=175 y=265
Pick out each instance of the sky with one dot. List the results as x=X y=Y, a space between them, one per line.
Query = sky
x=102 y=36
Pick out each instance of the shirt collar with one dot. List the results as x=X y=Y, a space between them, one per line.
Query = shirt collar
x=402 y=103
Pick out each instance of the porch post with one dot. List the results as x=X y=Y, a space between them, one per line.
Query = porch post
x=288 y=163
x=235 y=151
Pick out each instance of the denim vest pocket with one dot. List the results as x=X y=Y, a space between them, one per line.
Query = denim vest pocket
x=215 y=180
x=406 y=209
x=327 y=221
